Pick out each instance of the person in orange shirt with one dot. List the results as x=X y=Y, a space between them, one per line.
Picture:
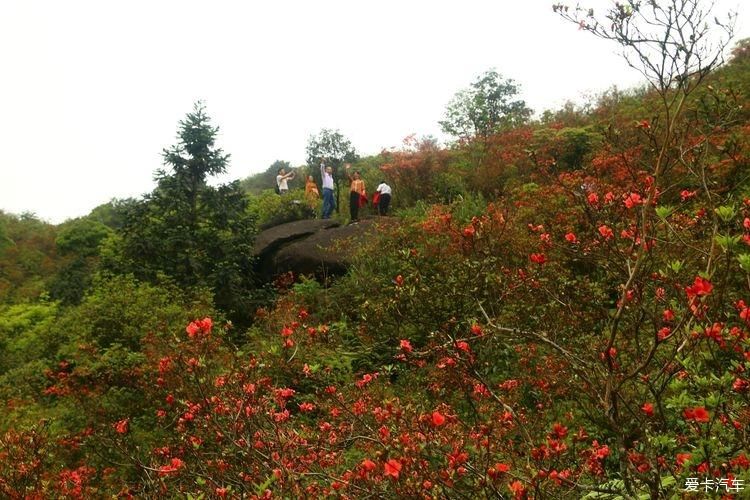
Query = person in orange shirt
x=356 y=192
x=312 y=195
x=311 y=189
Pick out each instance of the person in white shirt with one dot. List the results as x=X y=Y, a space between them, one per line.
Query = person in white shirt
x=326 y=174
x=385 y=197
x=281 y=180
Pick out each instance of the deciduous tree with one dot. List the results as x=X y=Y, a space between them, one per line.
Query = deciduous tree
x=490 y=104
x=333 y=149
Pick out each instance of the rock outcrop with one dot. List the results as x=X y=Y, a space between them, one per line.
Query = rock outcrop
x=312 y=247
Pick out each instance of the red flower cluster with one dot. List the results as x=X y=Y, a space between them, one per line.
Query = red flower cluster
x=698 y=414
x=199 y=327
x=173 y=467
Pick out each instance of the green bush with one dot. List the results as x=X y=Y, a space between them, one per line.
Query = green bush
x=272 y=209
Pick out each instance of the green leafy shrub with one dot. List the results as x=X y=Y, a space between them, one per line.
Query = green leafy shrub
x=272 y=209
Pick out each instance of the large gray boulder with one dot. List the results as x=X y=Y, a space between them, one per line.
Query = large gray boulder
x=312 y=247
x=270 y=240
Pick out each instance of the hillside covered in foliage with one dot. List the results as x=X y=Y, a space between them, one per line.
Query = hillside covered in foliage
x=560 y=310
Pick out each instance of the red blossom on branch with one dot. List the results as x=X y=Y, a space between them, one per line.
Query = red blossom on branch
x=199 y=328
x=438 y=418
x=698 y=414
x=392 y=468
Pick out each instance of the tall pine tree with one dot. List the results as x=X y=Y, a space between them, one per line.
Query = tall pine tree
x=196 y=234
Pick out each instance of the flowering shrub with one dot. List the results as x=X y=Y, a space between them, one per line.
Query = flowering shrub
x=586 y=334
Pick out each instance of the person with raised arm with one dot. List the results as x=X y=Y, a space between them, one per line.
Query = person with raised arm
x=281 y=180
x=326 y=174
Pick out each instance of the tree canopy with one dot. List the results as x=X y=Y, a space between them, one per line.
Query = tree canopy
x=197 y=234
x=333 y=149
x=490 y=104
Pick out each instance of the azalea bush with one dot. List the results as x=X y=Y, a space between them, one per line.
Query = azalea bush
x=577 y=327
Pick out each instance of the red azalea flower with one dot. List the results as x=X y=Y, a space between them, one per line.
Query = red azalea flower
x=664 y=333
x=286 y=392
x=438 y=418
x=686 y=195
x=559 y=430
x=699 y=414
x=463 y=346
x=517 y=488
x=681 y=458
x=632 y=200
x=192 y=330
x=199 y=326
x=393 y=468
x=405 y=346
x=700 y=287
x=538 y=258
x=648 y=409
x=122 y=426
x=501 y=467
x=368 y=465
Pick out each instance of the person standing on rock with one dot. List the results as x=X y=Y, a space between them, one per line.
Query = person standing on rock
x=311 y=189
x=384 y=199
x=356 y=194
x=281 y=180
x=312 y=195
x=326 y=173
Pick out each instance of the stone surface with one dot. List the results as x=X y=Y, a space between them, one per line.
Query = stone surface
x=272 y=239
x=312 y=247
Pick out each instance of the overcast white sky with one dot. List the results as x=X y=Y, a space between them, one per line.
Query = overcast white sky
x=91 y=92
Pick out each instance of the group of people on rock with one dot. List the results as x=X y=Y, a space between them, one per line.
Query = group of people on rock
x=357 y=194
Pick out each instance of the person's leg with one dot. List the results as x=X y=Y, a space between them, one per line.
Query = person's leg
x=327 y=203
x=353 y=205
x=385 y=200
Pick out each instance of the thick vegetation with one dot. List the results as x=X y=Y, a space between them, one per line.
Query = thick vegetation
x=561 y=311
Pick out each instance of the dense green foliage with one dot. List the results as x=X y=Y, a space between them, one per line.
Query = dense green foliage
x=256 y=184
x=196 y=234
x=487 y=107
x=560 y=310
